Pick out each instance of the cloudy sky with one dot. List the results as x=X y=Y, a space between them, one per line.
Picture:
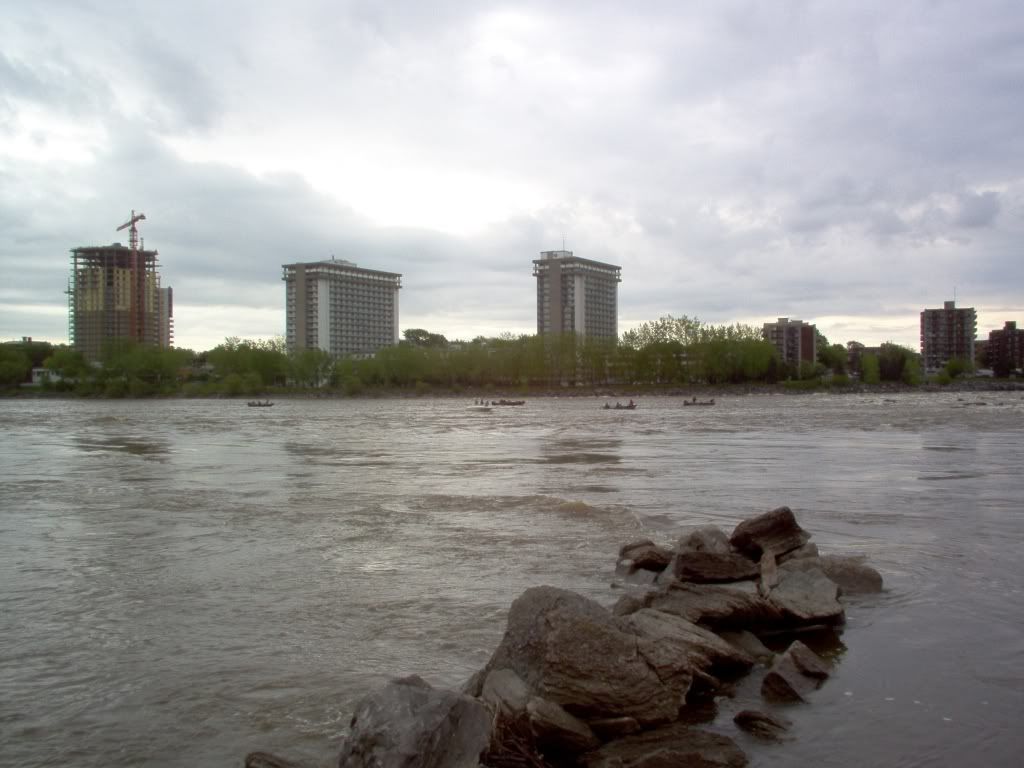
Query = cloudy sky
x=846 y=163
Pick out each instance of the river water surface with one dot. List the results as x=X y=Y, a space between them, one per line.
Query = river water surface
x=182 y=582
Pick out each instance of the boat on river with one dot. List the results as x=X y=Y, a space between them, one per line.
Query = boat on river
x=620 y=407
x=695 y=401
x=508 y=402
x=260 y=404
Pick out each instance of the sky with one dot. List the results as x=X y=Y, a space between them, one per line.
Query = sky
x=845 y=162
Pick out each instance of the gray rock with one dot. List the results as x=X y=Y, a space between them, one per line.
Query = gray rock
x=571 y=651
x=762 y=725
x=556 y=732
x=505 y=692
x=769 y=573
x=848 y=571
x=646 y=555
x=706 y=538
x=750 y=644
x=795 y=673
x=611 y=728
x=628 y=604
x=267 y=760
x=712 y=568
x=671 y=745
x=810 y=549
x=409 y=724
x=776 y=532
x=673 y=637
x=807 y=597
x=735 y=606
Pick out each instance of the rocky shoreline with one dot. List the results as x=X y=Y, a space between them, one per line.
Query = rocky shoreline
x=575 y=684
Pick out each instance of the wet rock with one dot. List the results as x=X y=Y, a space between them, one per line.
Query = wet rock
x=505 y=692
x=672 y=637
x=776 y=532
x=762 y=725
x=628 y=604
x=611 y=728
x=750 y=644
x=556 y=733
x=807 y=597
x=795 y=673
x=769 y=573
x=671 y=745
x=267 y=760
x=712 y=568
x=847 y=571
x=810 y=549
x=706 y=538
x=409 y=724
x=735 y=606
x=571 y=651
x=645 y=555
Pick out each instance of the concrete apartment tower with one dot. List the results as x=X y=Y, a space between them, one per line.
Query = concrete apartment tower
x=795 y=340
x=1006 y=349
x=947 y=334
x=114 y=295
x=340 y=308
x=576 y=295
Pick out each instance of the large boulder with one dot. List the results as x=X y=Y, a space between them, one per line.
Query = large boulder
x=556 y=733
x=795 y=673
x=706 y=538
x=848 y=571
x=807 y=597
x=776 y=532
x=505 y=692
x=718 y=606
x=714 y=568
x=571 y=651
x=670 y=745
x=409 y=724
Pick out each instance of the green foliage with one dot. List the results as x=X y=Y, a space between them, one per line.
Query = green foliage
x=15 y=366
x=958 y=367
x=896 y=363
x=834 y=357
x=869 y=369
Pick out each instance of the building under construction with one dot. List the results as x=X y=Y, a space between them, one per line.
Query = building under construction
x=114 y=294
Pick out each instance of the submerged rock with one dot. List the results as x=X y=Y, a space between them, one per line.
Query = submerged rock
x=712 y=567
x=706 y=538
x=807 y=597
x=795 y=673
x=718 y=606
x=645 y=555
x=848 y=571
x=762 y=725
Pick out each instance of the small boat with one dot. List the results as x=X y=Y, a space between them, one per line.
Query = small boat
x=508 y=402
x=620 y=407
x=695 y=401
x=479 y=408
x=260 y=403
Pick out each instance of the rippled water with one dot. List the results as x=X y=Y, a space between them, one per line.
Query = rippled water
x=185 y=581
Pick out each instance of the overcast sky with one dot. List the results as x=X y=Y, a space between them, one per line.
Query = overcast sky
x=845 y=163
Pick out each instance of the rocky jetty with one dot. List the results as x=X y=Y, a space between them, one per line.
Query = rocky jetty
x=573 y=683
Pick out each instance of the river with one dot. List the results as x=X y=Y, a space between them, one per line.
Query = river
x=184 y=581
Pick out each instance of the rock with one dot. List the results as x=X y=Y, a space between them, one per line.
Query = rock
x=610 y=728
x=267 y=760
x=646 y=555
x=628 y=604
x=762 y=725
x=505 y=692
x=706 y=538
x=571 y=651
x=750 y=644
x=556 y=733
x=776 y=532
x=736 y=606
x=409 y=724
x=795 y=673
x=848 y=571
x=674 y=637
x=807 y=597
x=711 y=567
x=671 y=745
x=769 y=573
x=810 y=549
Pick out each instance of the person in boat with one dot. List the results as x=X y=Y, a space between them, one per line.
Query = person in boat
x=631 y=404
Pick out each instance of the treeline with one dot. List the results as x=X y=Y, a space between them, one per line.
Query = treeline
x=668 y=352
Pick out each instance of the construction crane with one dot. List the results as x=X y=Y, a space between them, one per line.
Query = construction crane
x=137 y=304
x=133 y=233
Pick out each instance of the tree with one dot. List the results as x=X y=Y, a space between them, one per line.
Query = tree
x=15 y=366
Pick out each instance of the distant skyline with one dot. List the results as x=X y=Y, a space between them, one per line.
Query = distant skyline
x=848 y=163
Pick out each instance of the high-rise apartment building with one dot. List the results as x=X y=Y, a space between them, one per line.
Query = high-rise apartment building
x=340 y=308
x=1006 y=349
x=576 y=295
x=795 y=340
x=114 y=295
x=947 y=334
